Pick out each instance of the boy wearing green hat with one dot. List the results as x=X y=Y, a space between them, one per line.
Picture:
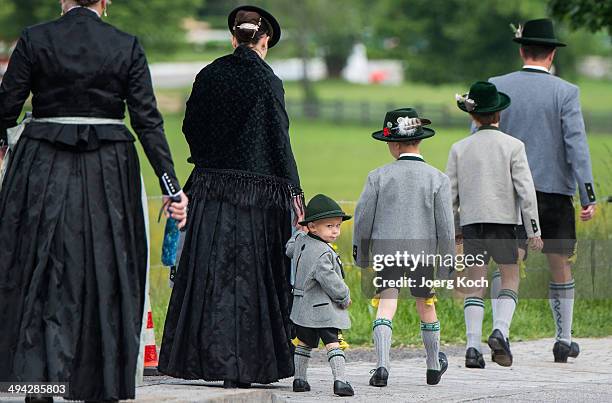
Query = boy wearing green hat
x=405 y=208
x=491 y=186
x=320 y=295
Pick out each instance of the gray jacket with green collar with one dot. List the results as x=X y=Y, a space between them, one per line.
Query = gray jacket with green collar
x=320 y=295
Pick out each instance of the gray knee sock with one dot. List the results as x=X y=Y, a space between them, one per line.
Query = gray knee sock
x=381 y=334
x=495 y=288
x=473 y=310
x=506 y=304
x=561 y=299
x=300 y=357
x=337 y=361
x=430 y=332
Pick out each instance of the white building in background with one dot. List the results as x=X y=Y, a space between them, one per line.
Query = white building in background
x=363 y=71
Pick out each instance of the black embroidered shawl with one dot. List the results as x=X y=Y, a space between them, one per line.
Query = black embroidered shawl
x=237 y=127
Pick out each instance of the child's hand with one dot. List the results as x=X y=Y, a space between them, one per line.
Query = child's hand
x=350 y=301
x=536 y=243
x=458 y=239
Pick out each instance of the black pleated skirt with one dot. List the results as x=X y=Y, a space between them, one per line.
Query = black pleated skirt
x=73 y=257
x=228 y=317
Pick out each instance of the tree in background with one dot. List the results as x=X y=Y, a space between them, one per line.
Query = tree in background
x=593 y=15
x=157 y=23
x=454 y=40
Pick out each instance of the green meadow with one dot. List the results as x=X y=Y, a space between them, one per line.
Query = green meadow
x=335 y=160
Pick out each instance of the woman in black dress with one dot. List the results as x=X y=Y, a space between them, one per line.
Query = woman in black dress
x=73 y=249
x=228 y=317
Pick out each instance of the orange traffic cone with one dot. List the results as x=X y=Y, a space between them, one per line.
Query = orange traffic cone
x=150 y=352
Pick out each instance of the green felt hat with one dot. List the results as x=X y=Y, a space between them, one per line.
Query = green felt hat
x=538 y=32
x=403 y=125
x=320 y=207
x=482 y=98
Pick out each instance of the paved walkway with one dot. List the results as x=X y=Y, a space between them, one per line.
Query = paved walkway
x=533 y=377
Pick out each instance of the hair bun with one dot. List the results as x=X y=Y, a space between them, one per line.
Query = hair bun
x=249 y=34
x=86 y=3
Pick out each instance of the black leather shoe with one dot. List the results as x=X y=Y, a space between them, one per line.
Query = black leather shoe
x=38 y=399
x=380 y=377
x=561 y=351
x=574 y=350
x=433 y=375
x=473 y=358
x=343 y=389
x=500 y=348
x=227 y=384
x=300 y=385
x=230 y=384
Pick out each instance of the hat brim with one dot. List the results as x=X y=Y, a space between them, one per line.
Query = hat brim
x=427 y=132
x=321 y=216
x=276 y=29
x=504 y=102
x=539 y=42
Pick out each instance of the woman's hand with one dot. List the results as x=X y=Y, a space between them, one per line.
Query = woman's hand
x=298 y=209
x=177 y=210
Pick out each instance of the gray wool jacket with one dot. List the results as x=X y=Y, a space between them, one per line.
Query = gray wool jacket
x=405 y=206
x=320 y=295
x=545 y=115
x=491 y=181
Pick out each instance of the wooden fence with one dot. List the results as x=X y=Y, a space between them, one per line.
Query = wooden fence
x=373 y=113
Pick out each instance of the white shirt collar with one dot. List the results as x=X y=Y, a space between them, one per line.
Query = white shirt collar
x=87 y=8
x=531 y=66
x=411 y=155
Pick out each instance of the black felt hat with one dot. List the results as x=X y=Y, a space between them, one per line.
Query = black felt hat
x=320 y=207
x=403 y=125
x=483 y=98
x=538 y=32
x=269 y=18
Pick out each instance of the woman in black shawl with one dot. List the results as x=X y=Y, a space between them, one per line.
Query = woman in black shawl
x=73 y=249
x=228 y=317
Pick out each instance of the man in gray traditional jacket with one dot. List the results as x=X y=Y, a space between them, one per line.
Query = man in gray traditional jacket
x=545 y=115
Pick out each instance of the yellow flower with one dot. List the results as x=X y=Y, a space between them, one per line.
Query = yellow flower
x=343 y=344
x=431 y=301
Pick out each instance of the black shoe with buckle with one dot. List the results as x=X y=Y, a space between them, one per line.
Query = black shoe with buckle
x=380 y=376
x=500 y=349
x=474 y=359
x=300 y=385
x=343 y=389
x=433 y=375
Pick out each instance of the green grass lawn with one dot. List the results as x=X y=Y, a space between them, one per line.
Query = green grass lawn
x=335 y=160
x=596 y=95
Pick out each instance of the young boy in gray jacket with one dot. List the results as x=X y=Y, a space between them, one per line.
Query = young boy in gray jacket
x=405 y=208
x=320 y=295
x=491 y=186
